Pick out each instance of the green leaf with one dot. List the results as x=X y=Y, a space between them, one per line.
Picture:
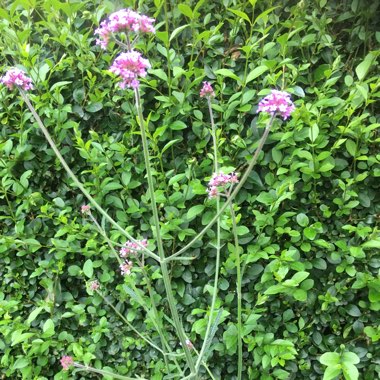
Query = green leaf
x=34 y=314
x=350 y=372
x=351 y=147
x=177 y=125
x=59 y=84
x=48 y=328
x=241 y=14
x=94 y=107
x=176 y=31
x=194 y=211
x=350 y=357
x=88 y=268
x=255 y=73
x=230 y=337
x=302 y=220
x=353 y=310
x=330 y=358
x=332 y=373
x=363 y=67
x=20 y=363
x=313 y=132
x=186 y=10
x=227 y=73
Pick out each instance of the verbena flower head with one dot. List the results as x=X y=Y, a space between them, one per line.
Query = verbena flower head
x=123 y=20
x=16 y=77
x=189 y=344
x=207 y=90
x=66 y=362
x=126 y=267
x=130 y=66
x=85 y=209
x=132 y=248
x=277 y=102
x=94 y=285
x=219 y=180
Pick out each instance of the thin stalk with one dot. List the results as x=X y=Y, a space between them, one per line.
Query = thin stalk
x=233 y=194
x=217 y=261
x=238 y=291
x=105 y=373
x=163 y=264
x=121 y=316
x=76 y=180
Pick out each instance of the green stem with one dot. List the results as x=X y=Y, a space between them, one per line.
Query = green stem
x=163 y=264
x=76 y=180
x=105 y=373
x=238 y=291
x=233 y=194
x=217 y=261
x=121 y=316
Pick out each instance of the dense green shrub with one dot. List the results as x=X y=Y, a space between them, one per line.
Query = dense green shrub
x=308 y=215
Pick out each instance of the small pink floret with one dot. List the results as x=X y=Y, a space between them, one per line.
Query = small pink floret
x=94 y=285
x=66 y=362
x=126 y=267
x=207 y=90
x=219 y=180
x=133 y=248
x=189 y=344
x=16 y=77
x=277 y=102
x=130 y=66
x=85 y=209
x=123 y=20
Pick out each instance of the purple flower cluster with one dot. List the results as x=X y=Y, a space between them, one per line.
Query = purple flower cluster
x=219 y=180
x=130 y=66
x=126 y=267
x=123 y=20
x=66 y=362
x=132 y=248
x=277 y=102
x=16 y=77
x=207 y=90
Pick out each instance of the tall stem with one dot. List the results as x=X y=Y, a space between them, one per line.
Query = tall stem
x=238 y=291
x=217 y=261
x=233 y=194
x=163 y=263
x=76 y=180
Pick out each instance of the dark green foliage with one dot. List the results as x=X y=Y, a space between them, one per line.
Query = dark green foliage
x=308 y=215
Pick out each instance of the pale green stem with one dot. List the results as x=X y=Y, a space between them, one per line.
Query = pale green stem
x=217 y=261
x=163 y=264
x=121 y=316
x=76 y=180
x=105 y=373
x=238 y=291
x=233 y=194
x=103 y=233
x=206 y=366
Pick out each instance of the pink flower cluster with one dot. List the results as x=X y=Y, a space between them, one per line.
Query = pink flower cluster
x=16 y=77
x=126 y=267
x=123 y=20
x=66 y=362
x=277 y=102
x=132 y=248
x=206 y=90
x=218 y=180
x=130 y=66
x=85 y=209
x=94 y=285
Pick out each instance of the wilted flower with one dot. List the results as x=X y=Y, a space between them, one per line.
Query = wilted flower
x=132 y=248
x=123 y=20
x=16 y=77
x=126 y=267
x=130 y=66
x=85 y=209
x=66 y=362
x=277 y=101
x=206 y=90
x=189 y=344
x=218 y=180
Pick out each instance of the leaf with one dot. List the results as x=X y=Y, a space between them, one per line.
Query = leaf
x=332 y=373
x=330 y=358
x=353 y=310
x=186 y=10
x=351 y=147
x=363 y=67
x=313 y=132
x=177 y=125
x=300 y=276
x=241 y=14
x=230 y=337
x=350 y=372
x=194 y=211
x=255 y=73
x=59 y=84
x=227 y=73
x=302 y=220
x=350 y=357
x=88 y=268
x=213 y=330
x=168 y=145
x=94 y=107
x=48 y=328
x=34 y=314
x=177 y=31
x=20 y=363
